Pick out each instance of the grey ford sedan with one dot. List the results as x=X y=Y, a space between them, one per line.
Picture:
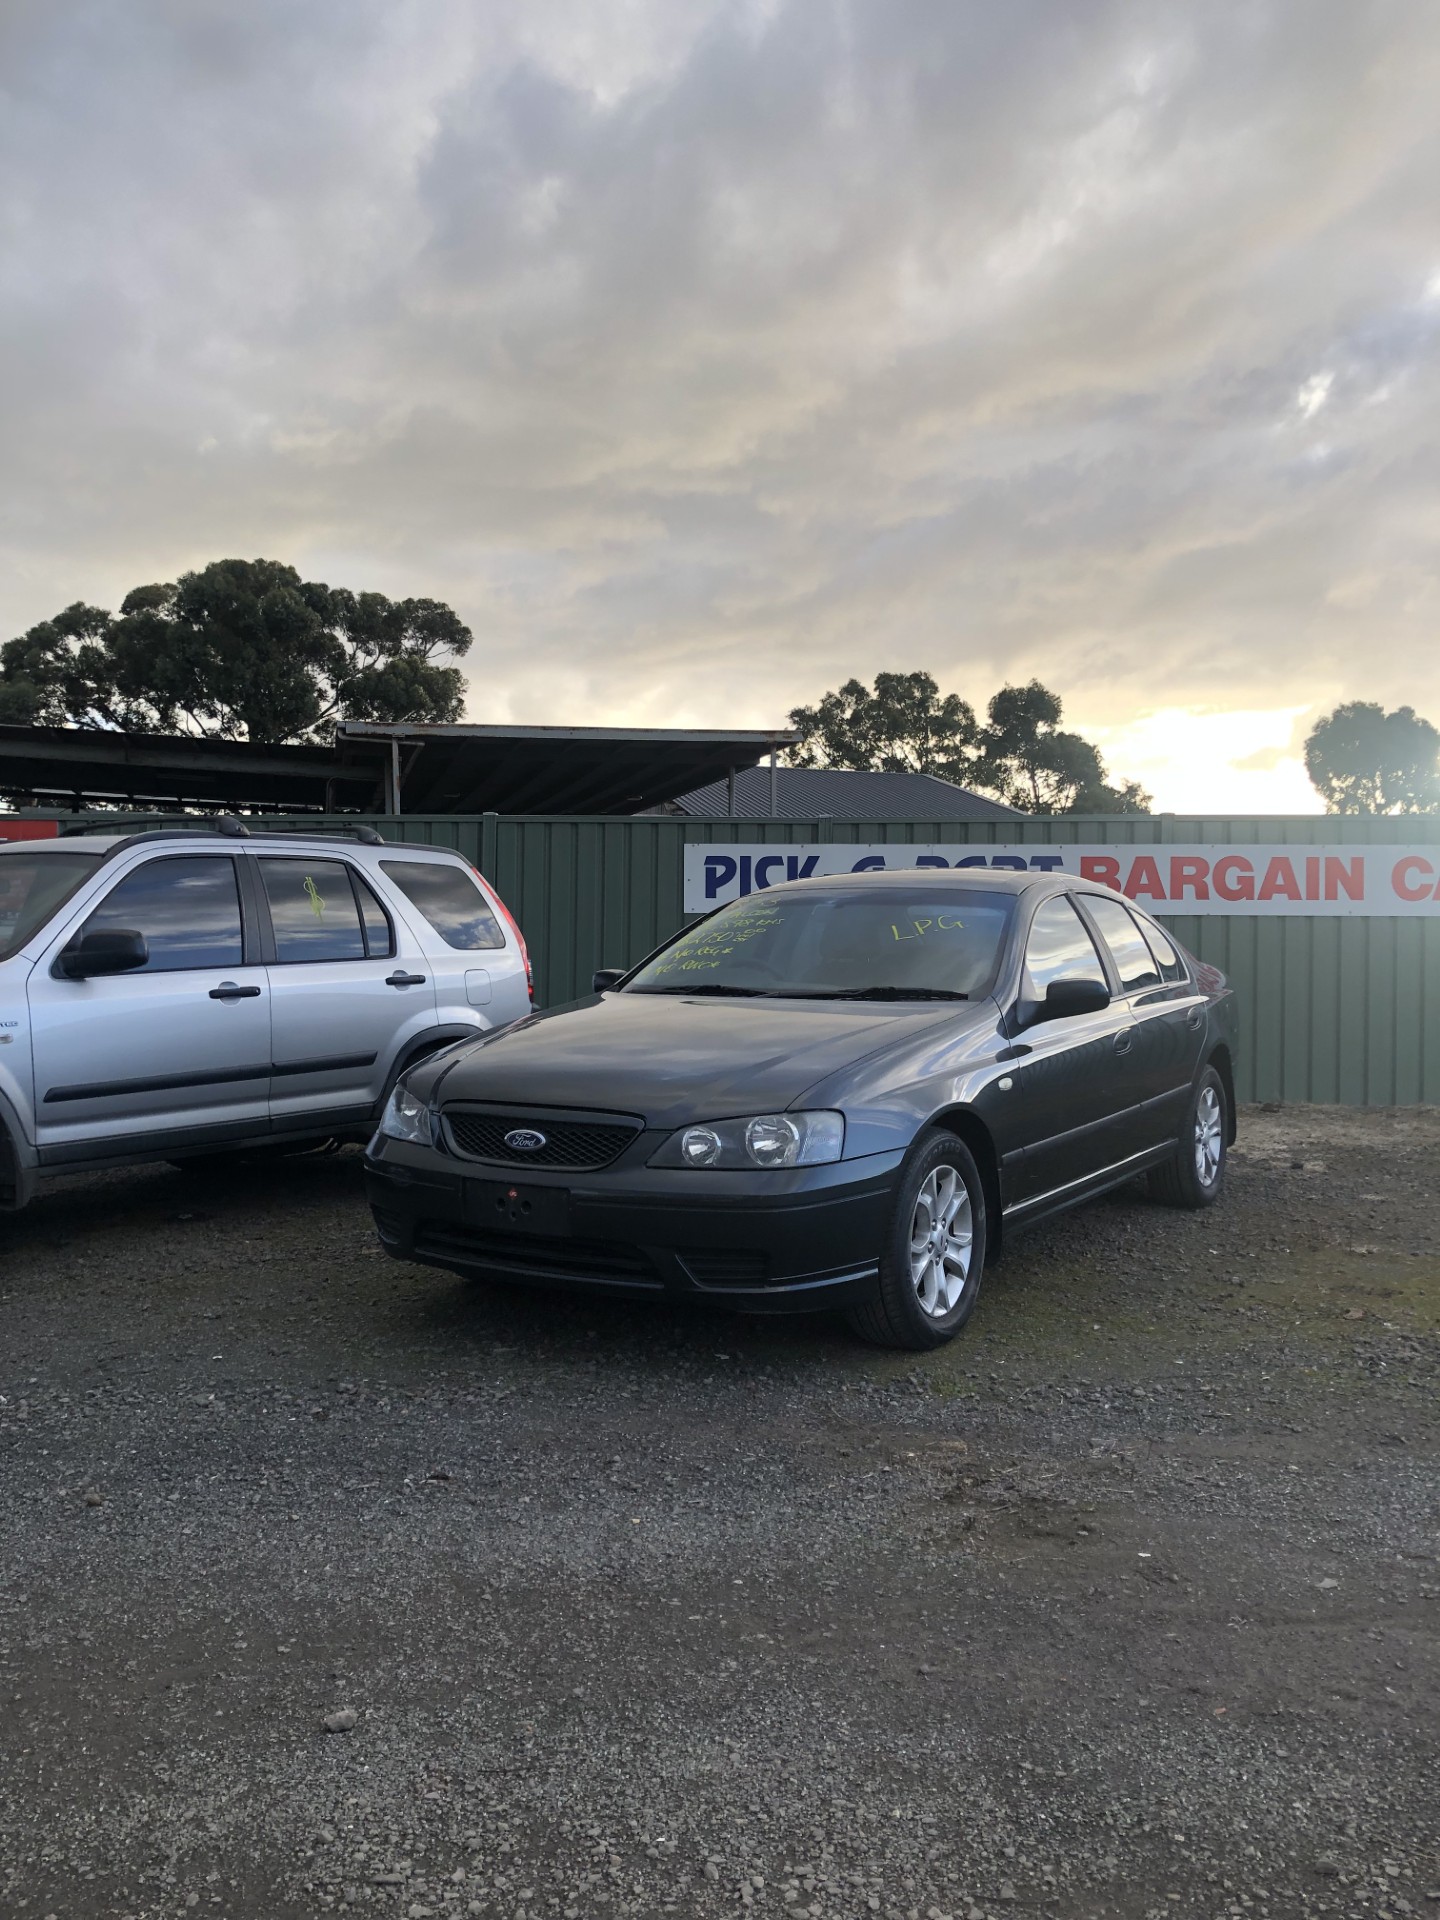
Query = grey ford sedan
x=837 y=1093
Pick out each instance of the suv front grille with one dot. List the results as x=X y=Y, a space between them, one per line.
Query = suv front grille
x=581 y=1143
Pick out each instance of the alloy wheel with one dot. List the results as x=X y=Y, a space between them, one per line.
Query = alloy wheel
x=942 y=1238
x=1209 y=1142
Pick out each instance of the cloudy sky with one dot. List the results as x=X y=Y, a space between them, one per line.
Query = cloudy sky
x=702 y=354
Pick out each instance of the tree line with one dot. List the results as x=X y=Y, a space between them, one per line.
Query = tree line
x=247 y=650
x=240 y=650
x=1020 y=753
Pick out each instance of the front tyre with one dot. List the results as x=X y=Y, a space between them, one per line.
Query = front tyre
x=934 y=1251
x=1195 y=1178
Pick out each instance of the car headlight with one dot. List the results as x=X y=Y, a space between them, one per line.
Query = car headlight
x=406 y=1118
x=767 y=1140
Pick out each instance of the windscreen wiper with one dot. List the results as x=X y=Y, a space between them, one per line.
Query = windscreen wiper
x=711 y=986
x=875 y=993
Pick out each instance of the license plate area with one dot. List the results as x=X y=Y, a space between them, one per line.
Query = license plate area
x=511 y=1206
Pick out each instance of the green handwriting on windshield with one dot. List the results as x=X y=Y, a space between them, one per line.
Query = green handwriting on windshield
x=708 y=945
x=918 y=929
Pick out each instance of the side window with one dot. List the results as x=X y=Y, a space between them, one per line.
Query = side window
x=1059 y=948
x=313 y=910
x=449 y=900
x=187 y=908
x=1172 y=967
x=1134 y=961
x=379 y=934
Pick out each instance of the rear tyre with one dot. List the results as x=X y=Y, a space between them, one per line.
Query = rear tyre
x=933 y=1254
x=1195 y=1178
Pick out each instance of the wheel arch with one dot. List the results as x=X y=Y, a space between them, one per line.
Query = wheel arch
x=420 y=1049
x=17 y=1162
x=1219 y=1059
x=967 y=1125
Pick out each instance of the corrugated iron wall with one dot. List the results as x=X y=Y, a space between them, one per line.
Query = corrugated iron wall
x=1333 y=1010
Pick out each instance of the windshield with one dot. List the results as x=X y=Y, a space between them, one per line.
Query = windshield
x=892 y=943
x=32 y=886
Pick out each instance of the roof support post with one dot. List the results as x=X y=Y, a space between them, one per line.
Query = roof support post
x=730 y=794
x=392 y=779
x=774 y=781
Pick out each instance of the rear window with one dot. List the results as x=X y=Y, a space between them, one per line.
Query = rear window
x=1134 y=961
x=450 y=900
x=1172 y=967
x=32 y=887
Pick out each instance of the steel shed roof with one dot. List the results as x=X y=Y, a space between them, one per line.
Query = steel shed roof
x=482 y=769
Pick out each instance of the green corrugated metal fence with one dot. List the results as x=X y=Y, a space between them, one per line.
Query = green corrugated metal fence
x=1333 y=1010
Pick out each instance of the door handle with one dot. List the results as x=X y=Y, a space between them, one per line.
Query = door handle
x=399 y=979
x=227 y=990
x=1194 y=1019
x=1124 y=1042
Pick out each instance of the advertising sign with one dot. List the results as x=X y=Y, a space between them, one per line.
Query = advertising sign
x=1296 y=881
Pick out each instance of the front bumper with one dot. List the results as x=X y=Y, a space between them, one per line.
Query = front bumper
x=795 y=1241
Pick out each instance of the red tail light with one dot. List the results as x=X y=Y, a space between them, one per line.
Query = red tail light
x=514 y=925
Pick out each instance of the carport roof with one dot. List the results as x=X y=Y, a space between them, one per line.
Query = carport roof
x=441 y=769
x=481 y=769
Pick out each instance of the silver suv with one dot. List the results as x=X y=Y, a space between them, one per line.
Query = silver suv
x=185 y=992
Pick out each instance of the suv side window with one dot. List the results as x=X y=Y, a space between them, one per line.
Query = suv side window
x=313 y=910
x=1172 y=967
x=449 y=900
x=187 y=907
x=1134 y=961
x=1059 y=947
x=379 y=931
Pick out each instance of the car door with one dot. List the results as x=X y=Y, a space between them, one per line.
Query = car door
x=174 y=1053
x=1168 y=1013
x=1076 y=1083
x=349 y=988
x=472 y=961
x=1173 y=1015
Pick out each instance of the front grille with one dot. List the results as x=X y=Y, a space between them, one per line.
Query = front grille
x=580 y=1144
x=536 y=1254
x=726 y=1267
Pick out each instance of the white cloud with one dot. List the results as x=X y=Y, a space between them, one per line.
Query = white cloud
x=1315 y=392
x=702 y=354
x=1198 y=760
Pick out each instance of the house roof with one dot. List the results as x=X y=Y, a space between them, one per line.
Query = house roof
x=833 y=793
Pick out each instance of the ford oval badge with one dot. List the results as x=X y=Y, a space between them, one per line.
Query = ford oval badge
x=525 y=1140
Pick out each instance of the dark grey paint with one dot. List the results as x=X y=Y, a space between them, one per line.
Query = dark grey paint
x=1062 y=1107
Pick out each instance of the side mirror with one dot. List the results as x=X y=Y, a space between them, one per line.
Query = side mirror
x=118 y=950
x=1063 y=998
x=607 y=977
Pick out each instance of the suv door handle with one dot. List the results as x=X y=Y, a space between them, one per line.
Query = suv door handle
x=227 y=990
x=1124 y=1042
x=1194 y=1019
x=398 y=979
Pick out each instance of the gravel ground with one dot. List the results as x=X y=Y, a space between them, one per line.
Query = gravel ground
x=1124 y=1605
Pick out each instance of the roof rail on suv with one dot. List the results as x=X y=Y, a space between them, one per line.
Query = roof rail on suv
x=231 y=828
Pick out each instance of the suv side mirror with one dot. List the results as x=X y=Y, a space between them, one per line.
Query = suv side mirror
x=117 y=950
x=607 y=977
x=1063 y=998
